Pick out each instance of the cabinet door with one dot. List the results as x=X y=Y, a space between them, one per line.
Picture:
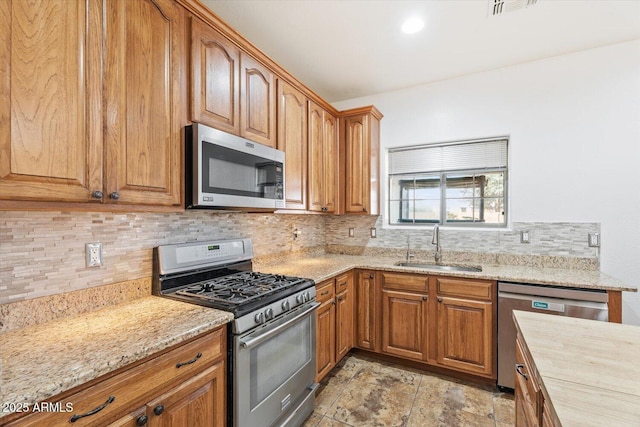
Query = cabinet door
x=465 y=335
x=258 y=102
x=404 y=324
x=316 y=158
x=50 y=100
x=325 y=338
x=215 y=79
x=357 y=164
x=143 y=80
x=344 y=315
x=366 y=310
x=198 y=402
x=292 y=139
x=330 y=161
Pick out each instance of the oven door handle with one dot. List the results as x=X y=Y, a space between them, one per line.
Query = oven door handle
x=252 y=342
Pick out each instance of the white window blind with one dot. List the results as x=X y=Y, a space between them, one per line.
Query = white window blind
x=475 y=155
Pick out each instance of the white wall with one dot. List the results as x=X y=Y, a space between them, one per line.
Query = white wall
x=574 y=127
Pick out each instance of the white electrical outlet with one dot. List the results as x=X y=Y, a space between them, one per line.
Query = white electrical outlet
x=594 y=240
x=525 y=236
x=351 y=232
x=93 y=252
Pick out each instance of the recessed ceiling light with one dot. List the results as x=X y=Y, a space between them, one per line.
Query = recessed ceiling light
x=412 y=25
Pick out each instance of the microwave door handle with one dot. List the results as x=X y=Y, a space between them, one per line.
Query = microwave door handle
x=253 y=341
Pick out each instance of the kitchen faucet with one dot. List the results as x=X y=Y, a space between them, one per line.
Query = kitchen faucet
x=436 y=241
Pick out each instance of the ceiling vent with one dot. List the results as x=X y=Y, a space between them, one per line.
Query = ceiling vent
x=499 y=7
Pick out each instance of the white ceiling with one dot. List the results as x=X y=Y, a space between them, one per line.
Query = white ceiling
x=344 y=49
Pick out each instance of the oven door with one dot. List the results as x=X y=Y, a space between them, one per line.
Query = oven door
x=274 y=370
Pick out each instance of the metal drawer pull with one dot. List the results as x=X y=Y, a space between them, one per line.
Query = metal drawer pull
x=189 y=362
x=519 y=367
x=94 y=411
x=324 y=293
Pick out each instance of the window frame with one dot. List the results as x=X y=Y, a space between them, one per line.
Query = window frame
x=442 y=174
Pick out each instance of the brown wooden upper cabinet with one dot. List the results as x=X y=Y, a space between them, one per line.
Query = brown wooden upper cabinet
x=362 y=156
x=230 y=90
x=258 y=101
x=215 y=79
x=292 y=139
x=59 y=144
x=323 y=160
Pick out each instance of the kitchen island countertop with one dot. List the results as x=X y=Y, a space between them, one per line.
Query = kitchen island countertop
x=588 y=370
x=40 y=361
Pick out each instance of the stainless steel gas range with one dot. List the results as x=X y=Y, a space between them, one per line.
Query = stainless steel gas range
x=272 y=340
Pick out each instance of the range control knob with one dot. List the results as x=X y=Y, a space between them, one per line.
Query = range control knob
x=259 y=318
x=307 y=296
x=299 y=299
x=285 y=305
x=268 y=314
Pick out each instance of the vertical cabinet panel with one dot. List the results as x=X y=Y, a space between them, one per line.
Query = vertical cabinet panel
x=258 y=102
x=292 y=139
x=50 y=105
x=366 y=310
x=142 y=89
x=326 y=337
x=215 y=76
x=323 y=160
x=345 y=316
x=357 y=160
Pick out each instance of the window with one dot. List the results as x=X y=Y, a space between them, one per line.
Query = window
x=454 y=183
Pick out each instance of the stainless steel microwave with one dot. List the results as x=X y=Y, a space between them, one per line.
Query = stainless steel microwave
x=226 y=171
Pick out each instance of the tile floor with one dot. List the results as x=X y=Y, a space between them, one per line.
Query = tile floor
x=362 y=391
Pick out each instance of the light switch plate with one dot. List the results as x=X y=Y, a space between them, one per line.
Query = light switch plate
x=525 y=236
x=351 y=232
x=373 y=232
x=594 y=240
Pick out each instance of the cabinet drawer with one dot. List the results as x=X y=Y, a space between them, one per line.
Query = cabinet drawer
x=325 y=291
x=405 y=282
x=465 y=288
x=342 y=282
x=131 y=388
x=526 y=379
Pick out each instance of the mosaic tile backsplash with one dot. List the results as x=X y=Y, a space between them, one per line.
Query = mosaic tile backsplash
x=42 y=253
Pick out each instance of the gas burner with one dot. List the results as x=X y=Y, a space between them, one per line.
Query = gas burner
x=239 y=288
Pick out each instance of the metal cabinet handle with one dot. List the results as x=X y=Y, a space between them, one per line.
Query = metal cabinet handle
x=189 y=362
x=371 y=276
x=115 y=195
x=424 y=297
x=158 y=410
x=142 y=420
x=519 y=367
x=364 y=209
x=340 y=298
x=324 y=293
x=75 y=418
x=439 y=299
x=97 y=194
x=341 y=284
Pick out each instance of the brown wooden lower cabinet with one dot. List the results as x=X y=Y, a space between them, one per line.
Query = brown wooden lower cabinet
x=160 y=391
x=443 y=321
x=466 y=324
x=334 y=322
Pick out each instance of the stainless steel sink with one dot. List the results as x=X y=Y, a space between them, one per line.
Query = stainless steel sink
x=442 y=267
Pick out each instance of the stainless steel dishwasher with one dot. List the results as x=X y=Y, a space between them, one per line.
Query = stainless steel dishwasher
x=557 y=300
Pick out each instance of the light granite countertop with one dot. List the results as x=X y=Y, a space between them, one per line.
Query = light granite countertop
x=322 y=267
x=589 y=369
x=40 y=361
